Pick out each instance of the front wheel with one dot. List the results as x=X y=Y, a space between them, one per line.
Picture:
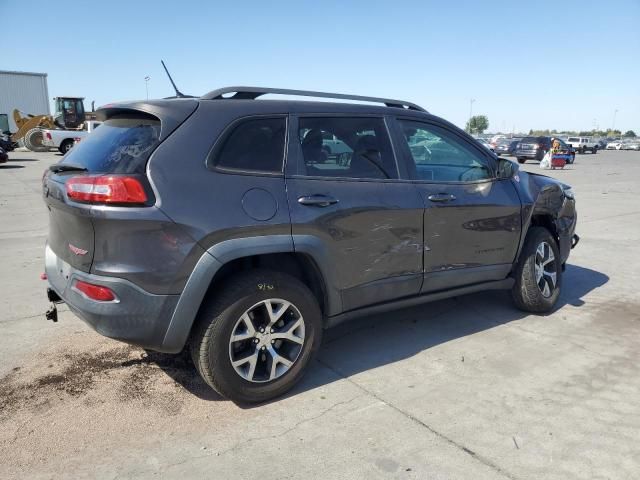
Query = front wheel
x=594 y=150
x=521 y=160
x=538 y=273
x=254 y=339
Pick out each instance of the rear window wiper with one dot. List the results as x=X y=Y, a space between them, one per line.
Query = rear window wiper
x=67 y=167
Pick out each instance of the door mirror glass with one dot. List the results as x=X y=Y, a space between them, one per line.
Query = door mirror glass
x=507 y=168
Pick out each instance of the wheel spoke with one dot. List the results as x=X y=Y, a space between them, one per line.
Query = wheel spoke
x=274 y=315
x=545 y=291
x=550 y=258
x=249 y=331
x=551 y=276
x=275 y=360
x=252 y=360
x=289 y=334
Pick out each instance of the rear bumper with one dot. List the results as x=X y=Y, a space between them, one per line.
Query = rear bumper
x=528 y=154
x=136 y=317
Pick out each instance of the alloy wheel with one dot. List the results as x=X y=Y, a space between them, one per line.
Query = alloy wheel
x=267 y=340
x=545 y=269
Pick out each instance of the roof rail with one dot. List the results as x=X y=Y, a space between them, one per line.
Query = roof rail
x=251 y=93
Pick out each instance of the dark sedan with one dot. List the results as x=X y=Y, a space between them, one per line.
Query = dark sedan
x=507 y=146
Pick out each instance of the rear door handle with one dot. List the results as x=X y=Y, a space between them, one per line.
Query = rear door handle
x=317 y=200
x=441 y=197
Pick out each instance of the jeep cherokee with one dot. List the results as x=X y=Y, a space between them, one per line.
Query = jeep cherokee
x=220 y=224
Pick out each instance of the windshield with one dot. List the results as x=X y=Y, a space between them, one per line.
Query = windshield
x=121 y=145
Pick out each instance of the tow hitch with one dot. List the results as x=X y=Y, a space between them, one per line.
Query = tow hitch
x=52 y=313
x=574 y=240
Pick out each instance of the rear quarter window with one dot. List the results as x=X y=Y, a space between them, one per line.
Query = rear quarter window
x=255 y=145
x=122 y=144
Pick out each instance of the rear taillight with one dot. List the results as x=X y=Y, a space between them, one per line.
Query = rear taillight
x=106 y=189
x=95 y=292
x=48 y=135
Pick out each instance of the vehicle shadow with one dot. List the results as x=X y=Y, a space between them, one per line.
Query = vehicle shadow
x=24 y=160
x=5 y=166
x=376 y=340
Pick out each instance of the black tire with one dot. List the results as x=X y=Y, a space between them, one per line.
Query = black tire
x=582 y=150
x=210 y=341
x=594 y=150
x=65 y=146
x=526 y=292
x=521 y=160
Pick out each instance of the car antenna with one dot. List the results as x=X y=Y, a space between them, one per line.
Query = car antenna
x=179 y=94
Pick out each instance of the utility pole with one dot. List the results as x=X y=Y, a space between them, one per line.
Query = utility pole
x=615 y=112
x=471 y=113
x=146 y=85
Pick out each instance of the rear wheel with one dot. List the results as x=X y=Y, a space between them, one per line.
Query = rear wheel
x=538 y=273
x=594 y=150
x=254 y=339
x=34 y=139
x=65 y=146
x=521 y=160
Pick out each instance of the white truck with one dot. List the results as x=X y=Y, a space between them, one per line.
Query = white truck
x=64 y=140
x=582 y=144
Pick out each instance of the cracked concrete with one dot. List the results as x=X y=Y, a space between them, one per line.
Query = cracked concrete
x=463 y=388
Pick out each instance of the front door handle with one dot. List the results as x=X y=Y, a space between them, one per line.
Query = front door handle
x=441 y=197
x=317 y=200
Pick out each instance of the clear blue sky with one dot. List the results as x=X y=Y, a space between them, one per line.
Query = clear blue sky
x=555 y=64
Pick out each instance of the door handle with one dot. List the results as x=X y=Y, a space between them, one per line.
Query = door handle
x=317 y=200
x=441 y=197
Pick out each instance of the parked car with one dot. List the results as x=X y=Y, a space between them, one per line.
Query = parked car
x=242 y=247
x=64 y=140
x=4 y=158
x=532 y=148
x=582 y=144
x=6 y=144
x=615 y=145
x=507 y=146
x=631 y=145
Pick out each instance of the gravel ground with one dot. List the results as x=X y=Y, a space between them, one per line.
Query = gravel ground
x=467 y=387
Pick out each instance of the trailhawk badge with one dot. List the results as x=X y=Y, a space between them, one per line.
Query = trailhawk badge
x=76 y=250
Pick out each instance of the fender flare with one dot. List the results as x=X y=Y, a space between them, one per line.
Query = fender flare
x=221 y=253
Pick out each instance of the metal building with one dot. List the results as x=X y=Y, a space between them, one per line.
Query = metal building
x=26 y=91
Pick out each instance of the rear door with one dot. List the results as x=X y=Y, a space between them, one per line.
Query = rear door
x=472 y=220
x=365 y=219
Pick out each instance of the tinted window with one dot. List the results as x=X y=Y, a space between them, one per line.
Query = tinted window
x=441 y=156
x=121 y=145
x=346 y=147
x=255 y=145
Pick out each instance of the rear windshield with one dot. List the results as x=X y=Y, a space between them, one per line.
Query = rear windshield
x=573 y=139
x=122 y=144
x=531 y=139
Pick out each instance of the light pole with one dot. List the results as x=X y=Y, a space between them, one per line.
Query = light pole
x=146 y=85
x=615 y=112
x=471 y=113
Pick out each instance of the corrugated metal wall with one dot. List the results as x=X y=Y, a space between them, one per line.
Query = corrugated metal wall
x=28 y=92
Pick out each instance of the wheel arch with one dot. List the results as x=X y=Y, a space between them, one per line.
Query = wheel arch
x=305 y=261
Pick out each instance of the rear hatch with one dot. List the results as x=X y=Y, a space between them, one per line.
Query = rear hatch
x=528 y=144
x=118 y=150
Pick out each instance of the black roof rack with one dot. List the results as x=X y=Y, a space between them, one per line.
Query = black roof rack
x=251 y=93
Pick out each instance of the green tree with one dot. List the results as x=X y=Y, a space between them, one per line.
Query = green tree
x=630 y=133
x=477 y=124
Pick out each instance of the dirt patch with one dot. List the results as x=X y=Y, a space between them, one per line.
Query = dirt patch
x=58 y=374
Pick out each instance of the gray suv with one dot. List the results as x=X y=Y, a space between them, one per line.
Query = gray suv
x=221 y=224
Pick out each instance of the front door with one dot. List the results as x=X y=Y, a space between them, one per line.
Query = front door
x=472 y=222
x=351 y=202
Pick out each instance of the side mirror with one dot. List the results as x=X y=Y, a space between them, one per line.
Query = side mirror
x=507 y=168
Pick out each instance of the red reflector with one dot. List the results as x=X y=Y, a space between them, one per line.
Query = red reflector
x=48 y=135
x=95 y=292
x=43 y=276
x=106 y=189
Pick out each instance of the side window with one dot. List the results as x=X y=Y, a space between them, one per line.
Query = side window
x=256 y=145
x=346 y=147
x=441 y=156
